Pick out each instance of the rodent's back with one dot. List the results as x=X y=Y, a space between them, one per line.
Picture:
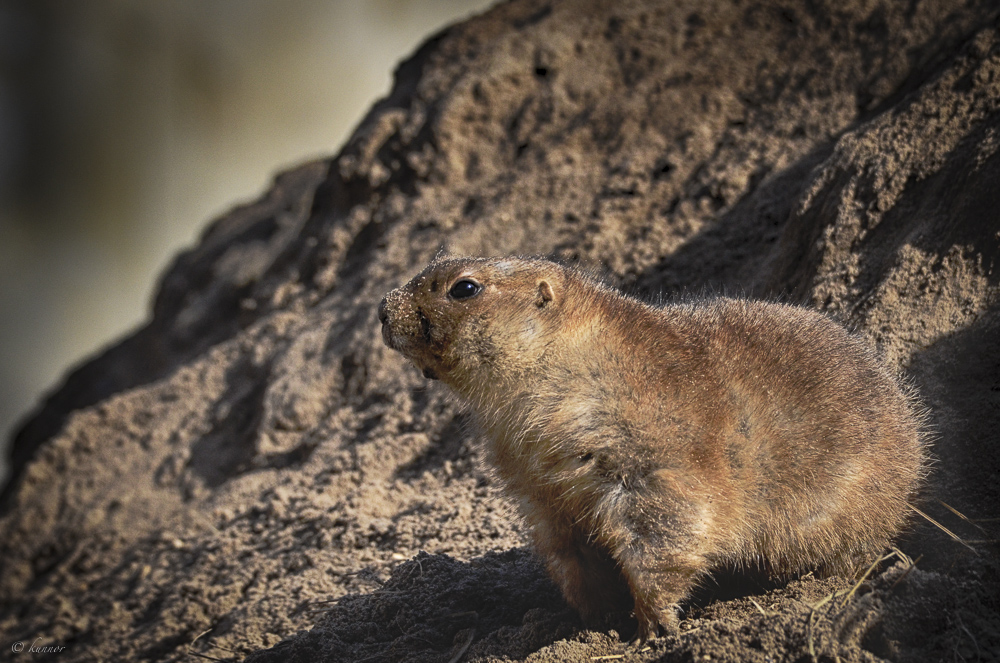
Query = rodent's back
x=813 y=433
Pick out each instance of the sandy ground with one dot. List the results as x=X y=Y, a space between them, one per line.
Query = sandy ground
x=254 y=476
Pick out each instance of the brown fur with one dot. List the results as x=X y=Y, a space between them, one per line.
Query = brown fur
x=647 y=445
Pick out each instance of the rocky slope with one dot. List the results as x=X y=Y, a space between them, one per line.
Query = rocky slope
x=253 y=475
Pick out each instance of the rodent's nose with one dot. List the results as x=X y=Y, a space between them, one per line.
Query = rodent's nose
x=382 y=315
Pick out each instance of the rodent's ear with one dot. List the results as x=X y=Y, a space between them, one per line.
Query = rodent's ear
x=545 y=294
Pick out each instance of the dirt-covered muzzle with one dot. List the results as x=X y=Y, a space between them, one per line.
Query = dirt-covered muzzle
x=405 y=329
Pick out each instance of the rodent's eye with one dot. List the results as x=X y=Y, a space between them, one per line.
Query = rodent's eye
x=464 y=289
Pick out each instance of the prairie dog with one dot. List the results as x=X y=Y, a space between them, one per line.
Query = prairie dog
x=646 y=445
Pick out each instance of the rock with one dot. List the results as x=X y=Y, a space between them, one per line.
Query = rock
x=842 y=155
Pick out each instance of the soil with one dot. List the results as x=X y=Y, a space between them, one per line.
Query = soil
x=254 y=476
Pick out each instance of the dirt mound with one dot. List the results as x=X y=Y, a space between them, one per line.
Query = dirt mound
x=254 y=470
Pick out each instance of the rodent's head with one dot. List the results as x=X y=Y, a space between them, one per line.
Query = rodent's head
x=465 y=320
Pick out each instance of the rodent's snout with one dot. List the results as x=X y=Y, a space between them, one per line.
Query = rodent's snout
x=383 y=317
x=382 y=314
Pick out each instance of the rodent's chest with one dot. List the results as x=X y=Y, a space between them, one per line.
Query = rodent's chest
x=571 y=472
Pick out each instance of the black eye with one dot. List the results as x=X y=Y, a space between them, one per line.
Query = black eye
x=464 y=289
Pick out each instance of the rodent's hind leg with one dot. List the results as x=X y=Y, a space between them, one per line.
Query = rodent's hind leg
x=589 y=578
x=852 y=564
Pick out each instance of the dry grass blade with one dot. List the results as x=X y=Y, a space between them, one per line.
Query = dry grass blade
x=963 y=516
x=822 y=602
x=199 y=655
x=812 y=613
x=943 y=528
x=912 y=565
x=903 y=557
x=465 y=647
x=864 y=577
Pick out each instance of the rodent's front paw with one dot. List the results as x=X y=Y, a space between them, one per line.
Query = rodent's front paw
x=655 y=622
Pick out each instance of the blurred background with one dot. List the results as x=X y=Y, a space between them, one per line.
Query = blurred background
x=127 y=125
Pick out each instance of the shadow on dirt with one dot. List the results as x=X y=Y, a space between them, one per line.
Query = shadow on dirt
x=432 y=607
